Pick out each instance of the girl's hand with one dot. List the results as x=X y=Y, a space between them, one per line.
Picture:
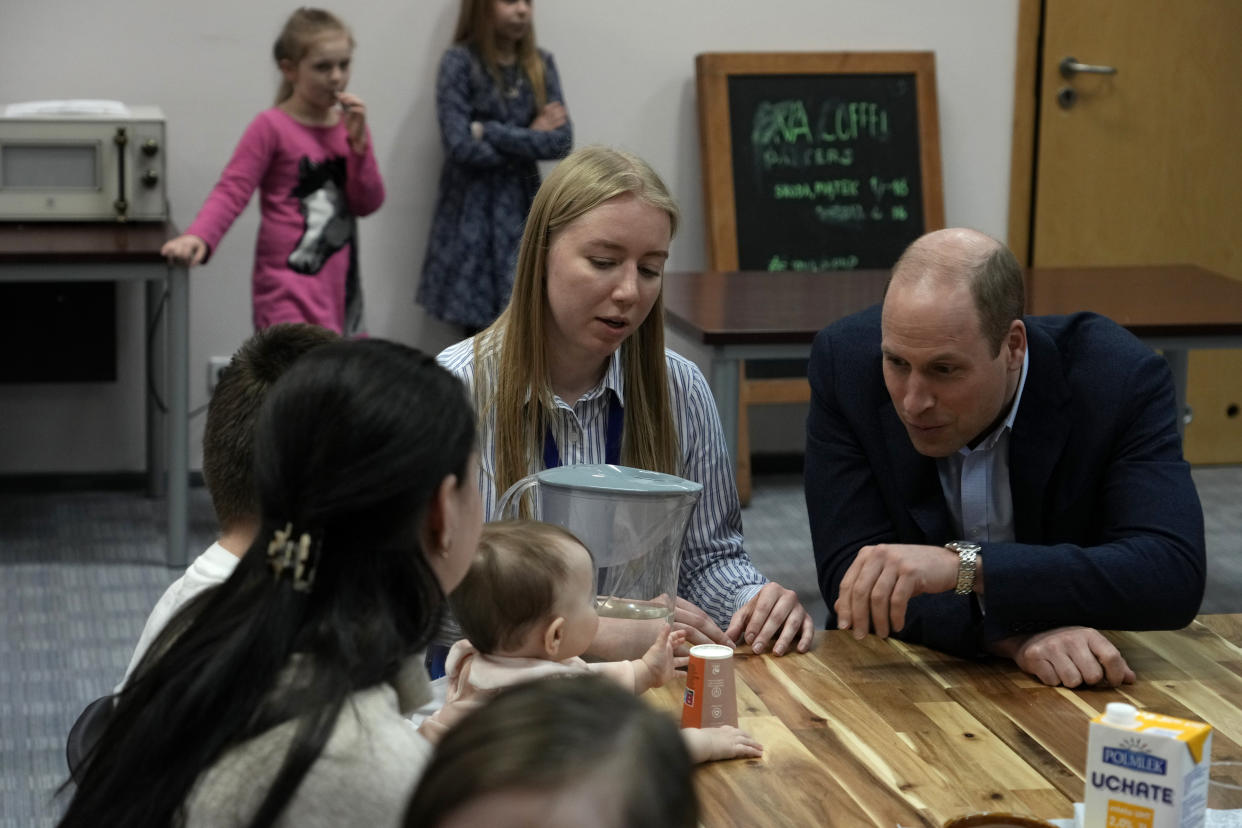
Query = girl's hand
x=707 y=744
x=659 y=659
x=550 y=117
x=355 y=113
x=185 y=249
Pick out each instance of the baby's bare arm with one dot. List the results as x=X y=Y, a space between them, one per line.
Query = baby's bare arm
x=707 y=744
x=659 y=663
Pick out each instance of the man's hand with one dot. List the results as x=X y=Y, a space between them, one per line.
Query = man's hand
x=1069 y=656
x=773 y=612
x=883 y=578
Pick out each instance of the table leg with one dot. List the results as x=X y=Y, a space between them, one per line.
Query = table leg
x=178 y=420
x=1179 y=365
x=155 y=358
x=725 y=389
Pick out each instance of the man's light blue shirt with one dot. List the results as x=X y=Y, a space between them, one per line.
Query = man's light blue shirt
x=975 y=481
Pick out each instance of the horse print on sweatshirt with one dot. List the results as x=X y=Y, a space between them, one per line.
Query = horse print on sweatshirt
x=328 y=224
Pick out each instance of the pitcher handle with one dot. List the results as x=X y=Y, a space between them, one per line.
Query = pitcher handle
x=514 y=493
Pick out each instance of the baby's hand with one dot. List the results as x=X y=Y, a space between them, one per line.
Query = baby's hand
x=186 y=249
x=659 y=658
x=355 y=120
x=707 y=744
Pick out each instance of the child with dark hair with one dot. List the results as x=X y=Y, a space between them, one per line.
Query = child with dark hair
x=280 y=696
x=228 y=442
x=560 y=753
x=527 y=608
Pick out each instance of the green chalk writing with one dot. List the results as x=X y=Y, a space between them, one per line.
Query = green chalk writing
x=806 y=157
x=786 y=122
x=832 y=188
x=847 y=262
x=839 y=213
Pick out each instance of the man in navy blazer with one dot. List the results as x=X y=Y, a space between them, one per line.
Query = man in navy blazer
x=981 y=482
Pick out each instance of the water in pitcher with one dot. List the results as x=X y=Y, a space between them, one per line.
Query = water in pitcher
x=633 y=610
x=646 y=618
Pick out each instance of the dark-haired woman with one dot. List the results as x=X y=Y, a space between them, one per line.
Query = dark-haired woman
x=279 y=697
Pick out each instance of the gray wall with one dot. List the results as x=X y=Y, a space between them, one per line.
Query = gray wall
x=628 y=73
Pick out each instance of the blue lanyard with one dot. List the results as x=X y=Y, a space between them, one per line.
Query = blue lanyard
x=612 y=444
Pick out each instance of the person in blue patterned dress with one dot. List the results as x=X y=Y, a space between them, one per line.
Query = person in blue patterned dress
x=501 y=110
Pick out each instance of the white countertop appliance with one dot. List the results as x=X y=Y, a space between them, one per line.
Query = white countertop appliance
x=82 y=161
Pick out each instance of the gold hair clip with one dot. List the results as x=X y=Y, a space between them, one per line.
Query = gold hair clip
x=304 y=572
x=284 y=555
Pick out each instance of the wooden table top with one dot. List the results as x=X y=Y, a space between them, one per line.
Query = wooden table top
x=879 y=732
x=758 y=307
x=100 y=241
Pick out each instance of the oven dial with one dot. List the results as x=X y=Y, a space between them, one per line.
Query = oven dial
x=150 y=178
x=150 y=147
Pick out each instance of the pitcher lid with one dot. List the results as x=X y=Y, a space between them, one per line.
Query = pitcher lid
x=609 y=478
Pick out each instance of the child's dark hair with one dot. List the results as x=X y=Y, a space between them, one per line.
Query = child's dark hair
x=352 y=446
x=556 y=732
x=228 y=438
x=299 y=32
x=513 y=582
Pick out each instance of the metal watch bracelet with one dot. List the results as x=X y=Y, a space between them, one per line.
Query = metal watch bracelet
x=967 y=563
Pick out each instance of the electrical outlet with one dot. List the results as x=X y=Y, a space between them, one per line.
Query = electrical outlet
x=215 y=366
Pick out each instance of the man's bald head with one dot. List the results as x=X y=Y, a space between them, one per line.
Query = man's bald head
x=943 y=261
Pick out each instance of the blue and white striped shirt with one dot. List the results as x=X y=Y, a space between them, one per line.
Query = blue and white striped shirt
x=716 y=573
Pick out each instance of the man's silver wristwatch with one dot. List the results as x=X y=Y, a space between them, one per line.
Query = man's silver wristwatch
x=967 y=561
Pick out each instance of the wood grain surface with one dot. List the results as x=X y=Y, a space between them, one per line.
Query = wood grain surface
x=880 y=732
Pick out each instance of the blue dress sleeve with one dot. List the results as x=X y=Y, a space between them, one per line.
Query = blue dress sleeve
x=534 y=144
x=454 y=111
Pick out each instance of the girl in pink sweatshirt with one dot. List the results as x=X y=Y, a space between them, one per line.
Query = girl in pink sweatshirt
x=310 y=156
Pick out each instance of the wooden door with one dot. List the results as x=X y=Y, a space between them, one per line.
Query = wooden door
x=1145 y=166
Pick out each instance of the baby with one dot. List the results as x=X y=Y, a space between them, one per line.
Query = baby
x=527 y=607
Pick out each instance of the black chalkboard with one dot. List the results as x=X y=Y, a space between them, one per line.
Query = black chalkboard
x=820 y=162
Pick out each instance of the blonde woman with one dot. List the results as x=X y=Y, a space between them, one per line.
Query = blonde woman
x=575 y=371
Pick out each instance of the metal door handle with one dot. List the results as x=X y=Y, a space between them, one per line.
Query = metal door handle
x=1070 y=67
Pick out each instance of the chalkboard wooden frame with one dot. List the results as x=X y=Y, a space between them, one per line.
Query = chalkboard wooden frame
x=713 y=71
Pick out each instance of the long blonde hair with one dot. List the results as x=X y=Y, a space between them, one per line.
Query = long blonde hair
x=476 y=28
x=303 y=28
x=511 y=364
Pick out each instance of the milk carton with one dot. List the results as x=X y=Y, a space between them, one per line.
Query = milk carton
x=1145 y=770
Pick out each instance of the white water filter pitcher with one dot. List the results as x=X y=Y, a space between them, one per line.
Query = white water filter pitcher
x=632 y=520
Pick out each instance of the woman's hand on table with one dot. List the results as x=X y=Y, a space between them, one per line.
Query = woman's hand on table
x=774 y=612
x=1068 y=656
x=699 y=628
